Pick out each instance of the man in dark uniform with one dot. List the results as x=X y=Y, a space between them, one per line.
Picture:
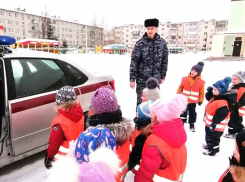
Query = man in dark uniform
x=149 y=58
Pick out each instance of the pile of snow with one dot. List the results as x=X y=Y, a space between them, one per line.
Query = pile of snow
x=199 y=168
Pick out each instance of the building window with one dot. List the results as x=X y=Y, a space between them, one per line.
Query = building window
x=180 y=25
x=179 y=37
x=126 y=40
x=206 y=26
x=168 y=26
x=1 y=13
x=16 y=15
x=205 y=33
x=210 y=42
x=17 y=23
x=17 y=31
x=162 y=28
x=10 y=13
x=184 y=42
x=23 y=17
x=211 y=36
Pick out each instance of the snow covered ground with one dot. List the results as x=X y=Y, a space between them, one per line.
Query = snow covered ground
x=199 y=168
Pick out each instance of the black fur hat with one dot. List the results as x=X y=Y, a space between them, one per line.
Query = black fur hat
x=151 y=22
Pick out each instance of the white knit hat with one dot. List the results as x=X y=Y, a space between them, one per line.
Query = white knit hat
x=240 y=75
x=152 y=91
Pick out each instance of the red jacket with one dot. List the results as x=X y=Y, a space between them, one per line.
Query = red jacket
x=174 y=136
x=57 y=136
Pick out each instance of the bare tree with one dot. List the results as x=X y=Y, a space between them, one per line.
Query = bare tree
x=47 y=26
x=92 y=32
x=104 y=28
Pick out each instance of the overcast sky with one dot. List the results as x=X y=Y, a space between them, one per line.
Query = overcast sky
x=117 y=13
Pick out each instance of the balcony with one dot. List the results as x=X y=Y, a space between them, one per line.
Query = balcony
x=192 y=33
x=191 y=45
x=172 y=45
x=173 y=33
x=174 y=28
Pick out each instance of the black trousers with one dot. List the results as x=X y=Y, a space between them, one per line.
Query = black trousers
x=139 y=89
x=213 y=139
x=191 y=111
x=235 y=124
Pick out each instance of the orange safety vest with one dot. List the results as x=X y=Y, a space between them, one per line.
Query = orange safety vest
x=176 y=157
x=71 y=131
x=211 y=109
x=241 y=109
x=123 y=154
x=192 y=92
x=135 y=134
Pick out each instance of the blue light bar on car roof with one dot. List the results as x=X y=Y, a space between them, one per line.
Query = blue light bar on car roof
x=6 y=40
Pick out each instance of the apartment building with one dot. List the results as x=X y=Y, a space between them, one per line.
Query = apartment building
x=193 y=36
x=20 y=24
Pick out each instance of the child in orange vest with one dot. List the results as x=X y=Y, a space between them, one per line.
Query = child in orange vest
x=235 y=124
x=66 y=126
x=107 y=113
x=217 y=114
x=142 y=130
x=192 y=86
x=164 y=154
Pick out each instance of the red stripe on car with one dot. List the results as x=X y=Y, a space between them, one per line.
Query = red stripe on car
x=47 y=99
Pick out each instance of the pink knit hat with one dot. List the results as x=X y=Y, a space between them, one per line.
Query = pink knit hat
x=170 y=110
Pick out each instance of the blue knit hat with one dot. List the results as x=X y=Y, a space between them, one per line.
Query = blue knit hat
x=223 y=85
x=92 y=139
x=144 y=110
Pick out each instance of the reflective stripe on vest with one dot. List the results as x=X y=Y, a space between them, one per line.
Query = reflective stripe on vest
x=219 y=127
x=122 y=170
x=192 y=92
x=123 y=154
x=192 y=96
x=241 y=111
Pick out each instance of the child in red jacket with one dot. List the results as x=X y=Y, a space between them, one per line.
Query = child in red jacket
x=164 y=154
x=66 y=126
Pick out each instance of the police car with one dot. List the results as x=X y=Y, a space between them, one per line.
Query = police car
x=29 y=81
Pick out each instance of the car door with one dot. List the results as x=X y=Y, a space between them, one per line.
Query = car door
x=32 y=85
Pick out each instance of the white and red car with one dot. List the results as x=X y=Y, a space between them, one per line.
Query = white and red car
x=29 y=81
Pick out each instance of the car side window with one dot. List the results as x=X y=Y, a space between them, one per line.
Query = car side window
x=36 y=76
x=79 y=77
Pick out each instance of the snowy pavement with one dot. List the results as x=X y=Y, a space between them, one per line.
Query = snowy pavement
x=200 y=168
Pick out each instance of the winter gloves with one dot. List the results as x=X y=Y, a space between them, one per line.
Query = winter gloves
x=233 y=161
x=212 y=127
x=48 y=162
x=209 y=94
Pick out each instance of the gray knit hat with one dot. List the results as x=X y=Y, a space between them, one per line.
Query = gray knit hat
x=198 y=67
x=65 y=94
x=152 y=91
x=240 y=75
